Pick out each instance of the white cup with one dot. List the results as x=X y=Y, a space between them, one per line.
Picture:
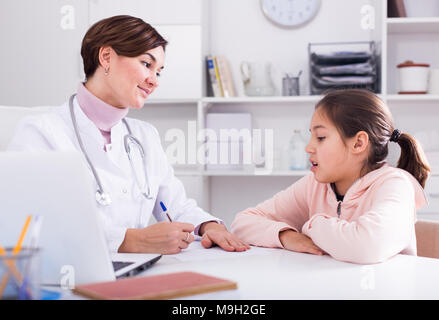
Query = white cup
x=433 y=87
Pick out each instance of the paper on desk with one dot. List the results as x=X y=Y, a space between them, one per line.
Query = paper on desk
x=196 y=252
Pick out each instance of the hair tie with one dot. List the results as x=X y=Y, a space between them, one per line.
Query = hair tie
x=395 y=135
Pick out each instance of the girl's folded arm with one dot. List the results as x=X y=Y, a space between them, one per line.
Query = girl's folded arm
x=378 y=234
x=287 y=209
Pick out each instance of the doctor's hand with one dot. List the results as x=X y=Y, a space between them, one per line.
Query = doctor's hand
x=162 y=237
x=295 y=241
x=214 y=233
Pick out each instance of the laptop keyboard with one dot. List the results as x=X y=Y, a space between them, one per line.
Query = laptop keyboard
x=117 y=265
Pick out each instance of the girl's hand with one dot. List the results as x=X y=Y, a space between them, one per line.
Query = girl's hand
x=295 y=241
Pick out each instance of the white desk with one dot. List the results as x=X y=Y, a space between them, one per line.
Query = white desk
x=281 y=274
x=264 y=274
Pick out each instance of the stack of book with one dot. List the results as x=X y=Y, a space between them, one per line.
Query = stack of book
x=220 y=80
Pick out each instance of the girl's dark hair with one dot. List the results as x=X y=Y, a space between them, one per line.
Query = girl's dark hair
x=354 y=110
x=128 y=36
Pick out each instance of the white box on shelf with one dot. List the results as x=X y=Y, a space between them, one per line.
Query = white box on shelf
x=228 y=141
x=218 y=121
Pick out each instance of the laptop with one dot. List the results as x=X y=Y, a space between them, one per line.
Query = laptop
x=59 y=187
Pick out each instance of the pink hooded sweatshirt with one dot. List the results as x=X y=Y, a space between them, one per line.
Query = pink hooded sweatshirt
x=375 y=220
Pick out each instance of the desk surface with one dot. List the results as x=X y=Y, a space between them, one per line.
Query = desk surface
x=263 y=273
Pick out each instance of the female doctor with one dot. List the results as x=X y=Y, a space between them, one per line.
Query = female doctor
x=123 y=57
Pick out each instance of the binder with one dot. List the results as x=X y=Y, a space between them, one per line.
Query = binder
x=213 y=76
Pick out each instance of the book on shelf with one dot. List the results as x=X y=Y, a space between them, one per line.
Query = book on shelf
x=226 y=78
x=220 y=77
x=213 y=76
x=396 y=9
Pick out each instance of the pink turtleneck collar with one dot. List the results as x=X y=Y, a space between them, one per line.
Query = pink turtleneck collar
x=103 y=115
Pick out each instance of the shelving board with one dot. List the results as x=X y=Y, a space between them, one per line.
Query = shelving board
x=238 y=173
x=413 y=25
x=413 y=97
x=272 y=99
x=280 y=100
x=171 y=101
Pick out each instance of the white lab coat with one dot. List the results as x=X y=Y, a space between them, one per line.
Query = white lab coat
x=129 y=209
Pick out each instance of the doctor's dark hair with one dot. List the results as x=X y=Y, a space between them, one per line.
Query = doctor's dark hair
x=354 y=110
x=128 y=36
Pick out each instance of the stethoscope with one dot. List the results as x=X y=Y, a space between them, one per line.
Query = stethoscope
x=130 y=142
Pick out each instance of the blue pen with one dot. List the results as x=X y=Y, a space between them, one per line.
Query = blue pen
x=165 y=211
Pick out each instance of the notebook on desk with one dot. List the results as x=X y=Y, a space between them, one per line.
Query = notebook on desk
x=58 y=187
x=164 y=286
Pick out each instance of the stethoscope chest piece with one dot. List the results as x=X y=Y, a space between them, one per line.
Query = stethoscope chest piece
x=103 y=198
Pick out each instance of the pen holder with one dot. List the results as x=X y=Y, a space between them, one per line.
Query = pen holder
x=20 y=274
x=290 y=86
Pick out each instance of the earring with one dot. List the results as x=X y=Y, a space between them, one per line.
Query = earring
x=106 y=71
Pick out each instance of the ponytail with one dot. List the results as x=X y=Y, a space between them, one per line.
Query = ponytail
x=412 y=158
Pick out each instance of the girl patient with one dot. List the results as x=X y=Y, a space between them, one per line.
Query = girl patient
x=353 y=206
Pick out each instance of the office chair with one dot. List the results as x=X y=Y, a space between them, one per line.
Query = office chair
x=10 y=116
x=427 y=238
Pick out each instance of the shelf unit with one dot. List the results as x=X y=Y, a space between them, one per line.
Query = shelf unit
x=413 y=38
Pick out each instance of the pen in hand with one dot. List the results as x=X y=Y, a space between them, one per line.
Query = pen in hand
x=165 y=211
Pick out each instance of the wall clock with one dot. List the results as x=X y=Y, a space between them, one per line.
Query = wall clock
x=290 y=13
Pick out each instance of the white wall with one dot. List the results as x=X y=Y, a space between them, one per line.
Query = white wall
x=40 y=62
x=152 y=11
